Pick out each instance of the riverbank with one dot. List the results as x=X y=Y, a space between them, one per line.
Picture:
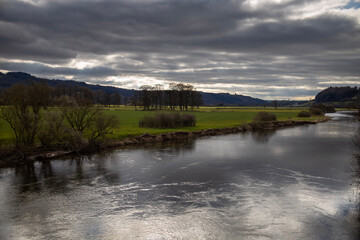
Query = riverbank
x=206 y=117
x=13 y=157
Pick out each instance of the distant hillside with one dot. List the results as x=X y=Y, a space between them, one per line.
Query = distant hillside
x=8 y=79
x=338 y=94
x=11 y=78
x=227 y=99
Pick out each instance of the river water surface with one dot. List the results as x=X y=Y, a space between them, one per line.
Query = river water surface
x=293 y=183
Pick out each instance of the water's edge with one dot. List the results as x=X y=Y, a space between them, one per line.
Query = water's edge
x=43 y=155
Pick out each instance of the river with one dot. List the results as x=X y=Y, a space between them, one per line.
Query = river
x=293 y=183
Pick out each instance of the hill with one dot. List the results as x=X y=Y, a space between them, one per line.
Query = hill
x=338 y=94
x=11 y=78
x=227 y=99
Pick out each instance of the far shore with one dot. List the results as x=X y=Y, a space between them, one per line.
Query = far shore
x=15 y=157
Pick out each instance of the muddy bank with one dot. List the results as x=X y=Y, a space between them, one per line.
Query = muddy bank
x=14 y=157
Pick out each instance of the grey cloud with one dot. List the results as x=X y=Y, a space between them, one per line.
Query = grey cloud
x=104 y=27
x=43 y=70
x=217 y=41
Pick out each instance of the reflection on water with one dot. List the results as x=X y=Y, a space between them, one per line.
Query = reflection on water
x=287 y=184
x=355 y=166
x=262 y=136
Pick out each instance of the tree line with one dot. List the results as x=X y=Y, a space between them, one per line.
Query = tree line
x=179 y=95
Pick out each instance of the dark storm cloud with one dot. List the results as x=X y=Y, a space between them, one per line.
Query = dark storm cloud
x=104 y=27
x=202 y=42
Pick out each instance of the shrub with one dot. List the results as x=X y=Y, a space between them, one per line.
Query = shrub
x=73 y=139
x=264 y=117
x=316 y=111
x=323 y=107
x=51 y=128
x=330 y=109
x=79 y=114
x=102 y=125
x=189 y=120
x=23 y=122
x=304 y=114
x=168 y=120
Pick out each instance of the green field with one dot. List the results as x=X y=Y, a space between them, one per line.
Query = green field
x=206 y=117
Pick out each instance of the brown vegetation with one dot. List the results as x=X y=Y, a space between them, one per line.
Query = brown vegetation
x=324 y=108
x=317 y=111
x=70 y=123
x=304 y=114
x=264 y=117
x=168 y=120
x=22 y=110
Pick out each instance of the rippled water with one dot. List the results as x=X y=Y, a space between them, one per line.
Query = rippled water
x=292 y=183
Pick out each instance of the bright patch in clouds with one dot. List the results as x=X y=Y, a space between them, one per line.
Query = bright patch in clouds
x=133 y=82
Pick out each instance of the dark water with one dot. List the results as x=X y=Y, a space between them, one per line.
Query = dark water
x=293 y=183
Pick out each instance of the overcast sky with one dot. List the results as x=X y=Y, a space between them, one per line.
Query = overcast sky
x=270 y=49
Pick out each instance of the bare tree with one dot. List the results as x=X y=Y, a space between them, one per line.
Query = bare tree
x=134 y=100
x=116 y=98
x=184 y=94
x=101 y=125
x=22 y=110
x=157 y=95
x=275 y=103
x=51 y=130
x=145 y=96
x=79 y=114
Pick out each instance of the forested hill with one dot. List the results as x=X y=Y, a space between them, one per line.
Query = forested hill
x=230 y=100
x=338 y=94
x=11 y=78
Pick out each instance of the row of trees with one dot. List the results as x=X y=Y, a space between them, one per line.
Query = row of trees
x=69 y=122
x=178 y=95
x=181 y=96
x=98 y=97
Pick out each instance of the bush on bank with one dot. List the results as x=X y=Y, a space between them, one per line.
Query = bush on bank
x=168 y=120
x=304 y=114
x=264 y=117
x=317 y=111
x=324 y=108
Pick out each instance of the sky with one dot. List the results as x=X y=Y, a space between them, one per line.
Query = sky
x=268 y=49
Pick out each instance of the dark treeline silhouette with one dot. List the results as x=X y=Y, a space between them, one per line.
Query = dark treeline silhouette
x=97 y=97
x=77 y=92
x=181 y=96
x=128 y=96
x=178 y=96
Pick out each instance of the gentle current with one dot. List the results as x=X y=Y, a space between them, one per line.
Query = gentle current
x=294 y=183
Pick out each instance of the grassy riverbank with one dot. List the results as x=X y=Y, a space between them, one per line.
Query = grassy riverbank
x=206 y=117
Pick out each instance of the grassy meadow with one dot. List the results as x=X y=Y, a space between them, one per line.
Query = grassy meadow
x=206 y=117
